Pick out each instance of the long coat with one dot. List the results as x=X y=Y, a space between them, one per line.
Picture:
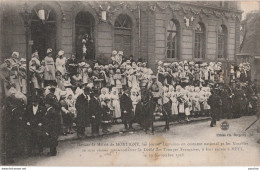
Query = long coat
x=126 y=108
x=82 y=107
x=95 y=110
x=215 y=104
x=34 y=120
x=144 y=113
x=51 y=125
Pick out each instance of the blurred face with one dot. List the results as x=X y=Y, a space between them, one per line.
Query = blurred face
x=73 y=57
x=8 y=63
x=49 y=54
x=70 y=97
x=47 y=105
x=35 y=103
x=33 y=62
x=86 y=91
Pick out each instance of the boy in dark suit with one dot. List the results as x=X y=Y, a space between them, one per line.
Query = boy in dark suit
x=95 y=112
x=126 y=109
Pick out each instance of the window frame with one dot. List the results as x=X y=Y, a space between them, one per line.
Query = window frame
x=177 y=40
x=222 y=36
x=117 y=30
x=202 y=41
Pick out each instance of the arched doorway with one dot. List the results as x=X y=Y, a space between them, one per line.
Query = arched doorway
x=123 y=34
x=84 y=25
x=43 y=34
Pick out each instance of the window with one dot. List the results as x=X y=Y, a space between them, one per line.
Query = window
x=172 y=39
x=222 y=41
x=199 y=41
x=123 y=34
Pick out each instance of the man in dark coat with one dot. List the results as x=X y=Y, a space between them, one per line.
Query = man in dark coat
x=83 y=116
x=126 y=109
x=215 y=104
x=51 y=125
x=144 y=111
x=95 y=112
x=226 y=97
x=34 y=118
x=13 y=128
x=8 y=129
x=237 y=101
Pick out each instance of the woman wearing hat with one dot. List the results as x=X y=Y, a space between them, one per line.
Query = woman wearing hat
x=49 y=72
x=61 y=62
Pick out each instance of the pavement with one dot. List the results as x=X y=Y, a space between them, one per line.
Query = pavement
x=119 y=128
x=180 y=146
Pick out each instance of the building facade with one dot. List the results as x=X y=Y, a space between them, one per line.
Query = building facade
x=153 y=31
x=250 y=44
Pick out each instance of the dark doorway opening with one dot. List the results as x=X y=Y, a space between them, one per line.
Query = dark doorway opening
x=43 y=34
x=85 y=30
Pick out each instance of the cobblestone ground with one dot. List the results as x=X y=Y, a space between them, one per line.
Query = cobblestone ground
x=185 y=144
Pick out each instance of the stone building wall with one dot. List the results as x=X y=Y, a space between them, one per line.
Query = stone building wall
x=154 y=19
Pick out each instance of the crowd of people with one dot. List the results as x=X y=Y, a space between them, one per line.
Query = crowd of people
x=67 y=95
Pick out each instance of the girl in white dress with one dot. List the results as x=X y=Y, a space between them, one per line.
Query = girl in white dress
x=115 y=103
x=61 y=62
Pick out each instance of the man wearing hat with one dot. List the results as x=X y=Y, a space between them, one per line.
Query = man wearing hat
x=215 y=104
x=51 y=125
x=34 y=118
x=82 y=107
x=95 y=112
x=11 y=116
x=126 y=109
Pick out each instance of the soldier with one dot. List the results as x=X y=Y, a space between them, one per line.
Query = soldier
x=215 y=104
x=126 y=109
x=157 y=90
x=34 y=118
x=82 y=107
x=51 y=125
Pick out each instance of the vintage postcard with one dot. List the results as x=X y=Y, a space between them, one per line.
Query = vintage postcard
x=130 y=83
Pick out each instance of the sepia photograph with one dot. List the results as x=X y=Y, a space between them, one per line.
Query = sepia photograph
x=129 y=83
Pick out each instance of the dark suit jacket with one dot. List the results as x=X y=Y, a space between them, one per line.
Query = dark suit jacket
x=126 y=103
x=95 y=109
x=126 y=108
x=34 y=120
x=82 y=107
x=51 y=122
